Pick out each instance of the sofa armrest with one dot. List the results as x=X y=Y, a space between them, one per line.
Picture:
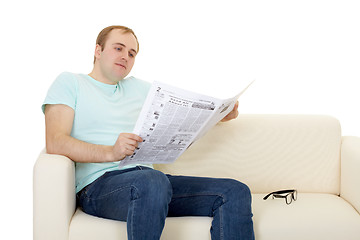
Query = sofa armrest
x=350 y=168
x=54 y=196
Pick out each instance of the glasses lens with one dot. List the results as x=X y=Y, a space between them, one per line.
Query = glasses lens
x=294 y=195
x=288 y=198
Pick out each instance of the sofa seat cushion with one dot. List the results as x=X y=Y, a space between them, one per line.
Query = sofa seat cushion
x=312 y=217
x=84 y=226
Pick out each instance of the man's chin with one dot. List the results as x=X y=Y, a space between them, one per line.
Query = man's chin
x=120 y=75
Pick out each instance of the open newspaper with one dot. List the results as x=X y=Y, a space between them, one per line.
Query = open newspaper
x=172 y=119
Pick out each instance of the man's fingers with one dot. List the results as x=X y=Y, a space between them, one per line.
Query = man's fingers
x=126 y=145
x=131 y=136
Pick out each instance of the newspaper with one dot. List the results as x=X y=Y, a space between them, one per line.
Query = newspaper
x=172 y=119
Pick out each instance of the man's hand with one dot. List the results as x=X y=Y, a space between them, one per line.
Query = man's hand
x=125 y=145
x=233 y=114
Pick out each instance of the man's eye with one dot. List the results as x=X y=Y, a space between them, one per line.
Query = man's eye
x=118 y=49
x=131 y=55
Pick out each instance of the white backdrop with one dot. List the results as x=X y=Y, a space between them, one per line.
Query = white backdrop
x=304 y=55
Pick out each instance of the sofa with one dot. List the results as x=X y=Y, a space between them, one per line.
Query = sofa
x=267 y=152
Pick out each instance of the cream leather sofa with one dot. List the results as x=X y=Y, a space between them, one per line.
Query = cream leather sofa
x=267 y=152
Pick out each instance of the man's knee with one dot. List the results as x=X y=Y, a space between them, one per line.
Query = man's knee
x=238 y=192
x=241 y=188
x=153 y=185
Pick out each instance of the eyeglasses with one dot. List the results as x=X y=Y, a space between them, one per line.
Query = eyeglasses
x=289 y=195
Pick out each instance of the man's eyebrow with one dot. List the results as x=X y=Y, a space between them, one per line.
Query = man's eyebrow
x=121 y=44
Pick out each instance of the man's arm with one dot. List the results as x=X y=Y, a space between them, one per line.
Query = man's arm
x=59 y=121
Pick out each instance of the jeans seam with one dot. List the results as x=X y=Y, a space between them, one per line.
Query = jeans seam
x=199 y=194
x=133 y=212
x=221 y=223
x=132 y=219
x=107 y=194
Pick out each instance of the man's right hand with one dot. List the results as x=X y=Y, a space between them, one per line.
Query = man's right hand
x=125 y=145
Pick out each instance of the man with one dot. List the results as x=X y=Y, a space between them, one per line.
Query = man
x=89 y=118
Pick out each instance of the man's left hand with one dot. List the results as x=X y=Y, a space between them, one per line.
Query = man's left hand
x=233 y=114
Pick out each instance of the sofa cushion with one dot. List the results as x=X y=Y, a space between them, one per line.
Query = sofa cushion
x=84 y=226
x=268 y=152
x=310 y=217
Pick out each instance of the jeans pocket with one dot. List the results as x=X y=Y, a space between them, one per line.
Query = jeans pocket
x=85 y=191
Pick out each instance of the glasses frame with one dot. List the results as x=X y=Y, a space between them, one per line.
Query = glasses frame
x=290 y=195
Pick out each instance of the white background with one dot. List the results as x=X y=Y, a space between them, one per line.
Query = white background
x=304 y=55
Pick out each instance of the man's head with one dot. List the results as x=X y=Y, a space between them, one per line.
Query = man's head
x=115 y=52
x=104 y=34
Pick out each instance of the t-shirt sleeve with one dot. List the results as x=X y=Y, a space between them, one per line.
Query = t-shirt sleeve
x=62 y=91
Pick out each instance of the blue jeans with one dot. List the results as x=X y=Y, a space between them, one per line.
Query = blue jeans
x=144 y=197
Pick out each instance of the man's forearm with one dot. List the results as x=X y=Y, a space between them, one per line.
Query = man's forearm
x=59 y=122
x=79 y=151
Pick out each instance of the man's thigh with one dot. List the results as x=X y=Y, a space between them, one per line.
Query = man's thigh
x=197 y=196
x=110 y=195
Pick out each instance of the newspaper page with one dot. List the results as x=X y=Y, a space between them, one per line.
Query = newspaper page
x=171 y=120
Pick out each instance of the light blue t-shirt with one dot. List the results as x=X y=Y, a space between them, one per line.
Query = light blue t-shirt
x=102 y=112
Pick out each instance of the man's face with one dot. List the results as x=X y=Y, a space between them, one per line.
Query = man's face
x=118 y=56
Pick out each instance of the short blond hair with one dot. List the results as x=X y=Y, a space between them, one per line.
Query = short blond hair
x=103 y=35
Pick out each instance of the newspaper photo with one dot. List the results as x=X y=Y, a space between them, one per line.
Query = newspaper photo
x=172 y=119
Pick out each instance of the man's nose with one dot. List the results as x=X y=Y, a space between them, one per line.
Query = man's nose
x=124 y=57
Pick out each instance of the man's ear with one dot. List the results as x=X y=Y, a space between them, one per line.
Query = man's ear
x=98 y=50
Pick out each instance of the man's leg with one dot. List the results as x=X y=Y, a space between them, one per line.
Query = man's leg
x=227 y=201
x=139 y=196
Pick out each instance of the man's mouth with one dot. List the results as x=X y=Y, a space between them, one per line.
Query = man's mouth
x=121 y=65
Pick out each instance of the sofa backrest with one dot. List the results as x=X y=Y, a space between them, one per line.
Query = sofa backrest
x=268 y=153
